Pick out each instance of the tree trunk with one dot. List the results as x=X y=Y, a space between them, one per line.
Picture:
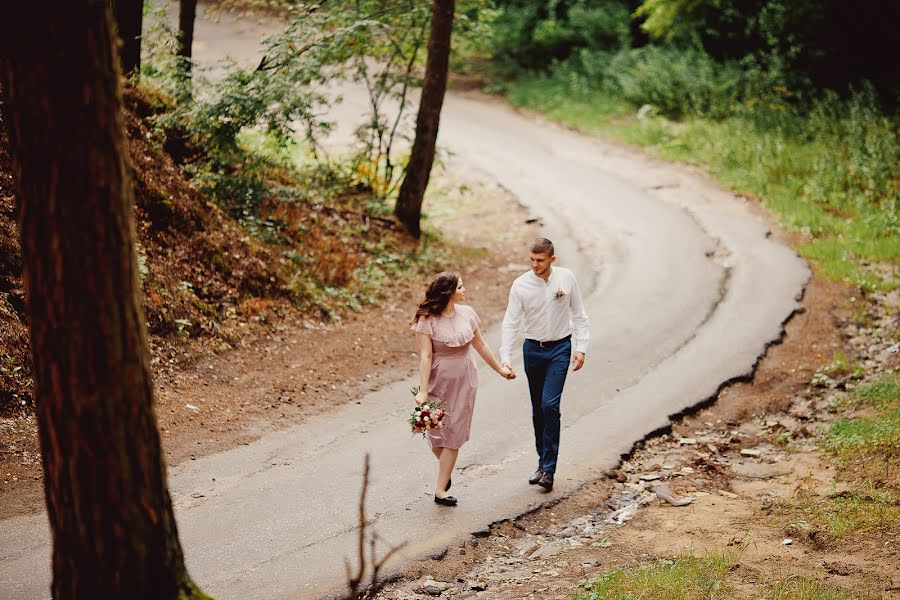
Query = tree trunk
x=187 y=14
x=129 y=15
x=111 y=519
x=412 y=191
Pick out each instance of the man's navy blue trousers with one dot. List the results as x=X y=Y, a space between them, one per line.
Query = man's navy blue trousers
x=546 y=367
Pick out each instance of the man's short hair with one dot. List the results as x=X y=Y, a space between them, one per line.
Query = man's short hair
x=542 y=246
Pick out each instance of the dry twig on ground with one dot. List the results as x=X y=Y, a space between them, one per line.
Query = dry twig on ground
x=374 y=564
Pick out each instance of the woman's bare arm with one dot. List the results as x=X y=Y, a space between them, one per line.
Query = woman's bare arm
x=424 y=341
x=485 y=352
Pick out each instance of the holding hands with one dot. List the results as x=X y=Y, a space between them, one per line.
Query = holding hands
x=506 y=372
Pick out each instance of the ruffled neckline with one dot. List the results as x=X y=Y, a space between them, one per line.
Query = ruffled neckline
x=453 y=331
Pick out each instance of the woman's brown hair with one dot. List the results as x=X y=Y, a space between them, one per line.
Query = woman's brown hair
x=438 y=294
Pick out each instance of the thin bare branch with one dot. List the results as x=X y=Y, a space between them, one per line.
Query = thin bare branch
x=405 y=88
x=373 y=564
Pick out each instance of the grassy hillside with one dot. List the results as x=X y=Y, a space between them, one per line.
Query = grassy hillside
x=830 y=175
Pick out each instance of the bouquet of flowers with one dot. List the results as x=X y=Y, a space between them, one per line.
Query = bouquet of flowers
x=426 y=416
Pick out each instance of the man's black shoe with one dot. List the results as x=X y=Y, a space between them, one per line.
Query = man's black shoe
x=546 y=481
x=536 y=477
x=446 y=500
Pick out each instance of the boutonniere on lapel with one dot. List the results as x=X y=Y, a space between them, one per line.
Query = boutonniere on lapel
x=558 y=294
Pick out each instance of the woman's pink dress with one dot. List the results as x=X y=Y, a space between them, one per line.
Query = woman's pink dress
x=454 y=378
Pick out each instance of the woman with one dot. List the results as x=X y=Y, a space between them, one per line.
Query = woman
x=445 y=330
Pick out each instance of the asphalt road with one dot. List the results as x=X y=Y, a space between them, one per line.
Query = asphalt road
x=684 y=289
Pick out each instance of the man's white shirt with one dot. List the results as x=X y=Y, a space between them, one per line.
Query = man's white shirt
x=550 y=310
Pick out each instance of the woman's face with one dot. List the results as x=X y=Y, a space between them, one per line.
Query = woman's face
x=460 y=294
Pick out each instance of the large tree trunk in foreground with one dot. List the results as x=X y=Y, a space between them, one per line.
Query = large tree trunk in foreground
x=113 y=529
x=412 y=191
x=129 y=17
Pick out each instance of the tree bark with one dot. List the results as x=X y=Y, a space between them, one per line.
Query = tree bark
x=129 y=16
x=418 y=171
x=187 y=15
x=111 y=519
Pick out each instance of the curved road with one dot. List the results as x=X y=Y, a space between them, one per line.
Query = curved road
x=684 y=289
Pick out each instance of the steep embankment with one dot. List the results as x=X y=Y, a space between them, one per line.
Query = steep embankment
x=203 y=271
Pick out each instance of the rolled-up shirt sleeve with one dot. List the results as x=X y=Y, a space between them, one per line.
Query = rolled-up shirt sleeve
x=580 y=323
x=511 y=321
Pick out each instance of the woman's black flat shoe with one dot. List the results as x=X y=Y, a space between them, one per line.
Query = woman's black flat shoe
x=446 y=500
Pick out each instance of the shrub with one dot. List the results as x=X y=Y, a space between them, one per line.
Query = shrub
x=676 y=82
x=530 y=35
x=865 y=168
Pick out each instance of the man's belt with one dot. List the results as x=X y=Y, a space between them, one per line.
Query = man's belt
x=550 y=344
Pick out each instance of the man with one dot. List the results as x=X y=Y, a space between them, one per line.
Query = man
x=547 y=301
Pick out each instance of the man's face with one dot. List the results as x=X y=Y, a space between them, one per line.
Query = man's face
x=541 y=262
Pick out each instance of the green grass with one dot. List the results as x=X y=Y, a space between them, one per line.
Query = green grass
x=850 y=437
x=838 y=189
x=878 y=430
x=865 y=446
x=689 y=577
x=844 y=515
x=804 y=588
x=881 y=393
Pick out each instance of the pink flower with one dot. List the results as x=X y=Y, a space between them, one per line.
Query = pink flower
x=558 y=294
